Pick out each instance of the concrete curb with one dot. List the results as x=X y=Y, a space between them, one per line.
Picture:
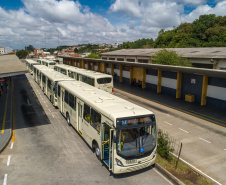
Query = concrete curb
x=7 y=142
x=168 y=175
x=11 y=133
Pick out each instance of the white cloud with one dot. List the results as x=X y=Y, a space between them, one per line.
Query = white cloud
x=130 y=7
x=44 y=21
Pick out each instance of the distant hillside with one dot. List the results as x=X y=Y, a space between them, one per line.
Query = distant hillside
x=207 y=31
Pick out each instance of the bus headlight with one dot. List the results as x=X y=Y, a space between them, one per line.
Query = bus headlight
x=119 y=163
x=154 y=155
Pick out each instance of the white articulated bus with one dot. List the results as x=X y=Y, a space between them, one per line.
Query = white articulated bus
x=49 y=80
x=30 y=65
x=99 y=80
x=48 y=63
x=37 y=73
x=122 y=134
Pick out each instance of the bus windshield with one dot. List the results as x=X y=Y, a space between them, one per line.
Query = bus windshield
x=104 y=80
x=136 y=141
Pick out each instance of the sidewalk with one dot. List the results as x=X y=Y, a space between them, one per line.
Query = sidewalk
x=5 y=117
x=210 y=114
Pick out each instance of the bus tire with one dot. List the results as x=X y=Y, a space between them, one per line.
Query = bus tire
x=97 y=151
x=68 y=119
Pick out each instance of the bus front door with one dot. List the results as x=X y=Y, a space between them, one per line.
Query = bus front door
x=62 y=101
x=107 y=152
x=79 y=122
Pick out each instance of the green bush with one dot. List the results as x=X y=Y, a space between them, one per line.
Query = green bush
x=164 y=145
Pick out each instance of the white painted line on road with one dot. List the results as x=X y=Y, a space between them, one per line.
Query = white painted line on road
x=163 y=177
x=49 y=110
x=184 y=130
x=5 y=179
x=225 y=149
x=46 y=105
x=52 y=115
x=197 y=169
x=168 y=123
x=11 y=147
x=204 y=140
x=8 y=161
x=44 y=101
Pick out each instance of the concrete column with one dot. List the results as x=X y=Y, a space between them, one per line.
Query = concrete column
x=112 y=69
x=98 y=66
x=179 y=83
x=204 y=90
x=121 y=74
x=143 y=78
x=131 y=74
x=92 y=66
x=105 y=68
x=159 y=84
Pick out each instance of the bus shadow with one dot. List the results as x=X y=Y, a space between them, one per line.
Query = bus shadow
x=28 y=110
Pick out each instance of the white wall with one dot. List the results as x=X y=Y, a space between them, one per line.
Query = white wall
x=169 y=82
x=216 y=92
x=117 y=71
x=109 y=70
x=151 y=79
x=126 y=74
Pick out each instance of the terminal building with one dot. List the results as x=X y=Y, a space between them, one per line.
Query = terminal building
x=211 y=58
x=201 y=86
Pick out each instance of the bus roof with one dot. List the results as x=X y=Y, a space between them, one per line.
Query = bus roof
x=89 y=73
x=30 y=61
x=109 y=105
x=56 y=76
x=42 y=67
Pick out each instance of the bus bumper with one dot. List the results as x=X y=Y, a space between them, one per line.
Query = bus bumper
x=126 y=169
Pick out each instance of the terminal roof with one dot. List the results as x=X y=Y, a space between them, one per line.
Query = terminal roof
x=10 y=65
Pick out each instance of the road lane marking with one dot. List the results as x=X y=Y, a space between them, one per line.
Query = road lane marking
x=197 y=170
x=11 y=147
x=8 y=161
x=44 y=101
x=204 y=140
x=163 y=177
x=5 y=179
x=46 y=105
x=225 y=149
x=168 y=123
x=184 y=130
x=3 y=124
x=52 y=115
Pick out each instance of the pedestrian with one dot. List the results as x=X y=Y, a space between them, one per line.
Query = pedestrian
x=2 y=86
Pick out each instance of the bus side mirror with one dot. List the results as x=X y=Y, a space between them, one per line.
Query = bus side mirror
x=114 y=139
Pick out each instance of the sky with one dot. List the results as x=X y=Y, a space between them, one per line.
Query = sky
x=50 y=23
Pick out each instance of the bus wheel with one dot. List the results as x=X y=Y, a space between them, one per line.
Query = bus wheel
x=97 y=151
x=68 y=120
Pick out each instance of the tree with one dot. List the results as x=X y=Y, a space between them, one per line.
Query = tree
x=93 y=55
x=21 y=53
x=168 y=57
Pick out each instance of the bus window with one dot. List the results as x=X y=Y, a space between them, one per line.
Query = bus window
x=86 y=114
x=43 y=78
x=66 y=97
x=71 y=101
x=104 y=80
x=49 y=84
x=95 y=120
x=58 y=91
x=55 y=68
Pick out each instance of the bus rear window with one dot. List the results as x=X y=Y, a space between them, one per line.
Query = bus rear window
x=103 y=80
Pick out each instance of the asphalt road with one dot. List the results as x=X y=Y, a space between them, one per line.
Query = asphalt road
x=47 y=151
x=204 y=143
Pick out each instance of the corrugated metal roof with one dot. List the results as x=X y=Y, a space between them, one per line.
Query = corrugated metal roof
x=191 y=70
x=10 y=65
x=213 y=52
